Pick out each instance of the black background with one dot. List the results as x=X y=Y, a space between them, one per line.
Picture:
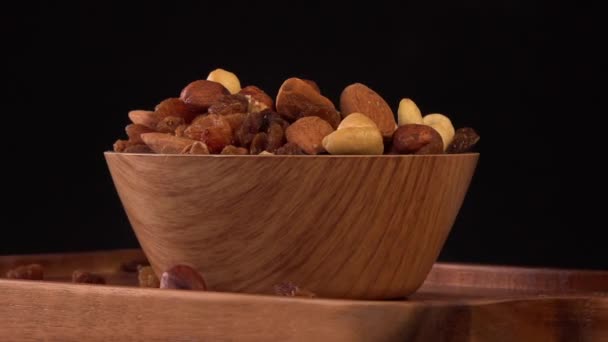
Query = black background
x=518 y=73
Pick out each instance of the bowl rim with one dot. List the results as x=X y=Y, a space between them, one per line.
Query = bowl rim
x=304 y=156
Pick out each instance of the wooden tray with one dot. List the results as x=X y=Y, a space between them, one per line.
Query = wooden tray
x=456 y=303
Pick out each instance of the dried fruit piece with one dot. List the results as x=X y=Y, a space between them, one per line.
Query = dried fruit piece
x=289 y=149
x=30 y=272
x=276 y=136
x=134 y=131
x=197 y=147
x=230 y=104
x=79 y=276
x=417 y=139
x=251 y=126
x=138 y=148
x=179 y=130
x=258 y=99
x=442 y=125
x=289 y=289
x=145 y=118
x=166 y=143
x=464 y=140
x=231 y=149
x=202 y=94
x=358 y=98
x=169 y=124
x=176 y=107
x=182 y=277
x=296 y=95
x=213 y=129
x=308 y=133
x=235 y=121
x=133 y=265
x=147 y=278
x=120 y=145
x=259 y=143
x=226 y=78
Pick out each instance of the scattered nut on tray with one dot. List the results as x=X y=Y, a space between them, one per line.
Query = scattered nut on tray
x=30 y=271
x=216 y=116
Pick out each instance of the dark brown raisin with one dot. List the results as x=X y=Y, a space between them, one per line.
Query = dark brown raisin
x=250 y=127
x=31 y=272
x=79 y=276
x=464 y=140
x=289 y=149
x=259 y=143
x=276 y=137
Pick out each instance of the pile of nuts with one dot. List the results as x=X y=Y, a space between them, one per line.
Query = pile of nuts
x=217 y=116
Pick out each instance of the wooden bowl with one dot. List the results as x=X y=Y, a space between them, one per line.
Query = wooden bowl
x=358 y=227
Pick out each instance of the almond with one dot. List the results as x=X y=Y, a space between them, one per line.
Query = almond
x=177 y=108
x=308 y=133
x=145 y=117
x=166 y=143
x=257 y=94
x=202 y=94
x=359 y=98
x=296 y=95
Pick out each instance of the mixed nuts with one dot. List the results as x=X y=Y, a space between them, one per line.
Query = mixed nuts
x=216 y=116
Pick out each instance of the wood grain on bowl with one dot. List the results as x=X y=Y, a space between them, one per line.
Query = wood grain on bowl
x=366 y=227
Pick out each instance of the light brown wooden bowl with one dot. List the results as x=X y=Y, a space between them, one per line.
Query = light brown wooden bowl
x=359 y=227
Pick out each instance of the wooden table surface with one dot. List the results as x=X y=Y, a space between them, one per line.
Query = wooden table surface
x=456 y=303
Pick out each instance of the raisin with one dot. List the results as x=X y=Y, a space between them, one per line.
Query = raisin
x=250 y=127
x=214 y=130
x=138 y=148
x=169 y=124
x=179 y=130
x=276 y=137
x=176 y=107
x=231 y=149
x=289 y=149
x=79 y=276
x=134 y=131
x=147 y=278
x=230 y=104
x=235 y=120
x=31 y=272
x=259 y=143
x=464 y=140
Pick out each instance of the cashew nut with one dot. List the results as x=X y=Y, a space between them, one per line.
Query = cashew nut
x=357 y=120
x=442 y=125
x=408 y=112
x=356 y=134
x=225 y=78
